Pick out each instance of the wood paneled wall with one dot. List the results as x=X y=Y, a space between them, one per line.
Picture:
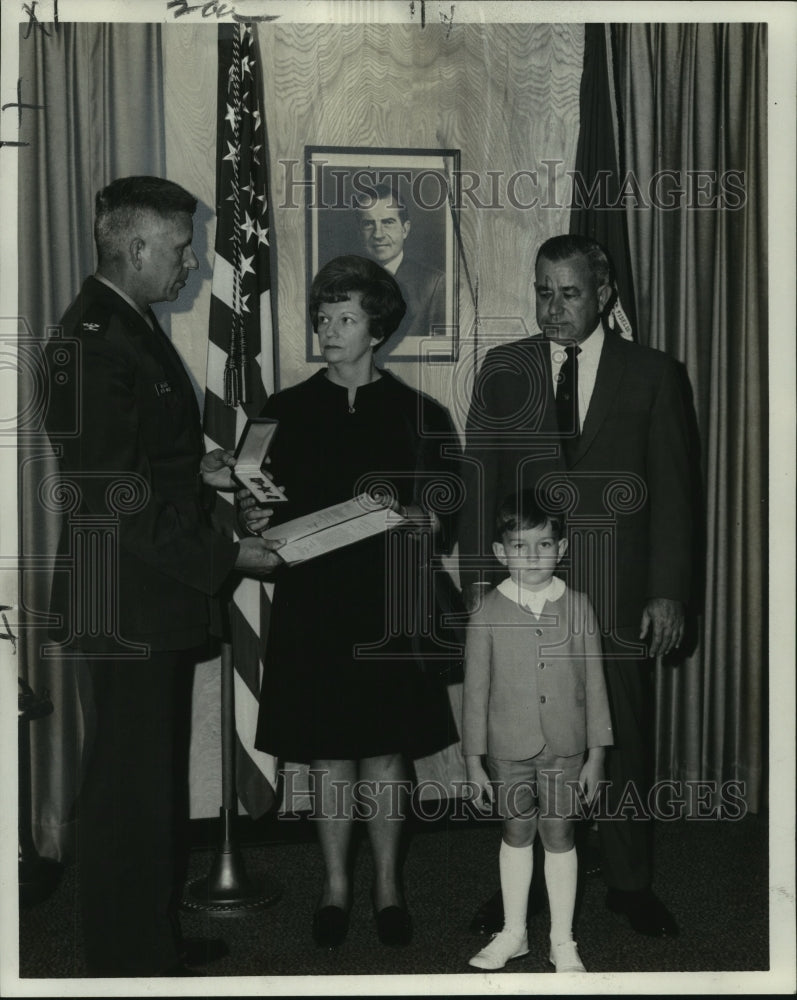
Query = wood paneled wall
x=505 y=95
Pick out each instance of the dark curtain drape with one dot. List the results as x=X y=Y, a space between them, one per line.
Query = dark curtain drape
x=692 y=100
x=101 y=91
x=597 y=184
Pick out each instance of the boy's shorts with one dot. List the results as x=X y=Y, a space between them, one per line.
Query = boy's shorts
x=522 y=787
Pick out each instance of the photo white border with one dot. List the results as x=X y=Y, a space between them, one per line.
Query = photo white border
x=781 y=125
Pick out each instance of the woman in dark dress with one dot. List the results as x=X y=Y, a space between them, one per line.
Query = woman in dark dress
x=341 y=688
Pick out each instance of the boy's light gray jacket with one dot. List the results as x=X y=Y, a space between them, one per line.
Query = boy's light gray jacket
x=534 y=681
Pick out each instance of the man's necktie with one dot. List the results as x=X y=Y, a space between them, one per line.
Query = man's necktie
x=567 y=397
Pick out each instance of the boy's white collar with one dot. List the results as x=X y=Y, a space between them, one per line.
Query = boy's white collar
x=534 y=600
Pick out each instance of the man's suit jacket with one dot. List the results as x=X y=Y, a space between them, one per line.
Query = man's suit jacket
x=534 y=681
x=626 y=486
x=135 y=462
x=424 y=291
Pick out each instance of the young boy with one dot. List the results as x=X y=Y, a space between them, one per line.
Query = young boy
x=535 y=703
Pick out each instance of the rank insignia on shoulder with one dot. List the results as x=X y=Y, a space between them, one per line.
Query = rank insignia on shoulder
x=91 y=327
x=161 y=388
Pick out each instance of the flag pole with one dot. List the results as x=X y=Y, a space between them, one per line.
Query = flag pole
x=227 y=890
x=239 y=348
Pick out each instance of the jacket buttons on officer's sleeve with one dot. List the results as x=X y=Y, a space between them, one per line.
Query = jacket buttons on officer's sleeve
x=542 y=699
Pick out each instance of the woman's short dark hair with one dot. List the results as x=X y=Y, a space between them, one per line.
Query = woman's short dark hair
x=381 y=300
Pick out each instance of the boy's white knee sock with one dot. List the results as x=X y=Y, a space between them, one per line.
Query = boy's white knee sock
x=515 y=866
x=561 y=878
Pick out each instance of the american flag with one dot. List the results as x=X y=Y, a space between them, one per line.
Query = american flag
x=240 y=369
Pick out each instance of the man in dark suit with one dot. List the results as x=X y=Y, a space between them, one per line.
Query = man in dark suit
x=144 y=562
x=598 y=426
x=384 y=225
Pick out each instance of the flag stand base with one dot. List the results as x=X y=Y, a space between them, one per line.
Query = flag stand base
x=227 y=890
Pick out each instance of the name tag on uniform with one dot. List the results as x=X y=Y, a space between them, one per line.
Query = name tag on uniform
x=161 y=388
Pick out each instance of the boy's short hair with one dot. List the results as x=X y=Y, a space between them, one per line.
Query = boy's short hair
x=521 y=511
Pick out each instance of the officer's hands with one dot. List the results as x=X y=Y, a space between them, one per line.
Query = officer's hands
x=663 y=621
x=258 y=556
x=215 y=469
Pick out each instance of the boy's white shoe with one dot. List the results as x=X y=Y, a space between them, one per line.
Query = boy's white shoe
x=505 y=945
x=564 y=956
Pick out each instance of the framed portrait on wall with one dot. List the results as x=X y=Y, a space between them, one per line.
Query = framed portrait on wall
x=398 y=207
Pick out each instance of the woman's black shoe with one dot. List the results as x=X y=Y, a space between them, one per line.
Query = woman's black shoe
x=330 y=926
x=394 y=926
